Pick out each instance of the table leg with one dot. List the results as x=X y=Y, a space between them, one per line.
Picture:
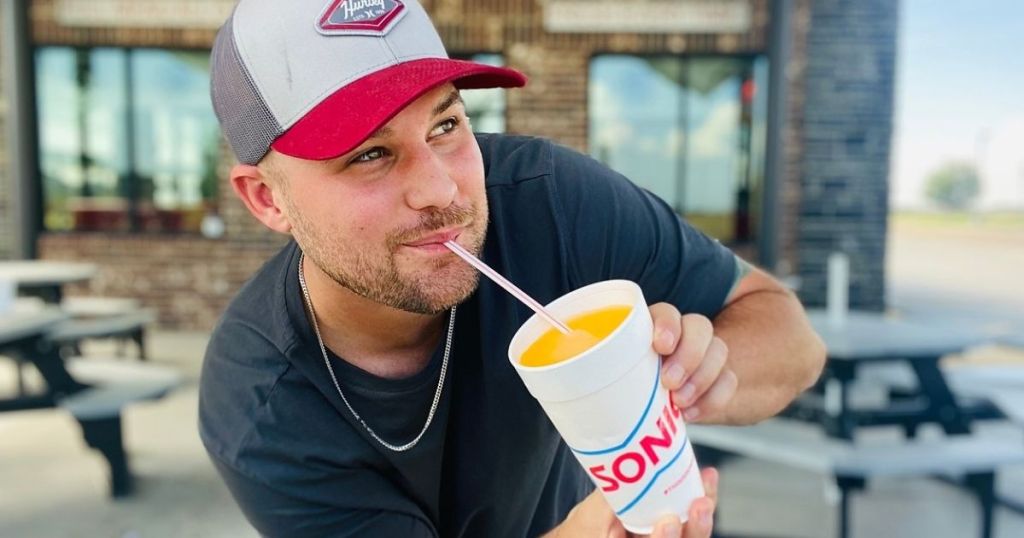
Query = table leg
x=104 y=434
x=839 y=420
x=139 y=337
x=984 y=486
x=46 y=358
x=19 y=372
x=941 y=401
x=847 y=485
x=49 y=294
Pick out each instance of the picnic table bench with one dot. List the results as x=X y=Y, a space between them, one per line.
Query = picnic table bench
x=128 y=325
x=900 y=358
x=87 y=306
x=113 y=385
x=851 y=463
x=94 y=391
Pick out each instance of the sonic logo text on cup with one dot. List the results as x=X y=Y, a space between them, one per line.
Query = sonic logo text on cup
x=655 y=456
x=643 y=457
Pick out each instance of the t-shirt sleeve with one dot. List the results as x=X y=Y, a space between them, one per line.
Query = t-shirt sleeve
x=614 y=229
x=276 y=514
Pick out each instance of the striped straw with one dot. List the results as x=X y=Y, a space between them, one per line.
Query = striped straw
x=509 y=287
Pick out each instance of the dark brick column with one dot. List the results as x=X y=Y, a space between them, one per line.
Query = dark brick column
x=848 y=117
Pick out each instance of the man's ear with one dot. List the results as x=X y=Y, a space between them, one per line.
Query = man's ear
x=253 y=188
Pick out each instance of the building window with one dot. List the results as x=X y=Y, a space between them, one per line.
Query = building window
x=688 y=129
x=485 y=108
x=128 y=141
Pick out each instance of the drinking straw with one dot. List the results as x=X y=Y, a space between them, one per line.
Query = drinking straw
x=509 y=287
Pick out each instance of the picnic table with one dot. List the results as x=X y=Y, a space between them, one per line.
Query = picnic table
x=94 y=392
x=869 y=339
x=91 y=317
x=23 y=335
x=45 y=278
x=819 y=430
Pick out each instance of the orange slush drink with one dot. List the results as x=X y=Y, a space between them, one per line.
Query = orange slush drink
x=587 y=330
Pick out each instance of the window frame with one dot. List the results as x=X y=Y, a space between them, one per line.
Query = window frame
x=38 y=189
x=752 y=58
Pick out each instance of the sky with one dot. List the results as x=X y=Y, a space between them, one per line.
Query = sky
x=960 y=96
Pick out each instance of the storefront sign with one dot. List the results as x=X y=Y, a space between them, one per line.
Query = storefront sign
x=647 y=16
x=144 y=13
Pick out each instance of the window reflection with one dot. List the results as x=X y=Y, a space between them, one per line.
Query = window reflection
x=127 y=139
x=635 y=111
x=176 y=137
x=684 y=128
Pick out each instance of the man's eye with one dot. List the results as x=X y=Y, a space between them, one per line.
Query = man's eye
x=445 y=126
x=371 y=154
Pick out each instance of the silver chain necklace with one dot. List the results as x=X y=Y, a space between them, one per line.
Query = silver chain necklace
x=327 y=361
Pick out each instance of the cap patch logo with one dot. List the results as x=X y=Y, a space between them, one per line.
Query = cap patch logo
x=360 y=17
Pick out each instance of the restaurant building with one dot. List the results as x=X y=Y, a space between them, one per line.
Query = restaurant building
x=765 y=123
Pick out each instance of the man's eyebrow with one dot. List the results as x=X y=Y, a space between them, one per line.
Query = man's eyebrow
x=451 y=99
x=383 y=132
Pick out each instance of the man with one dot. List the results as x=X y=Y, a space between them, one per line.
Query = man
x=359 y=383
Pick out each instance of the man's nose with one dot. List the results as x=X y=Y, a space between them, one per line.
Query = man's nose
x=430 y=183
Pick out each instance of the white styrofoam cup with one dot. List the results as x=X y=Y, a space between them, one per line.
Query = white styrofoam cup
x=611 y=409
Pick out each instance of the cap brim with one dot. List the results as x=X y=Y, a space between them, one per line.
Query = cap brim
x=350 y=115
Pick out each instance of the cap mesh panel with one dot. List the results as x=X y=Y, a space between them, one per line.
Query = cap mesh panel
x=244 y=117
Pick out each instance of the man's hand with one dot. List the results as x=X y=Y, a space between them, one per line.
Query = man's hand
x=695 y=366
x=593 y=517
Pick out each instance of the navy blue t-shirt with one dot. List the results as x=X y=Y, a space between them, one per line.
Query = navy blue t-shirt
x=491 y=464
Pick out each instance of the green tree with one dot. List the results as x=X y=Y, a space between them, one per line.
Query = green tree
x=953 y=186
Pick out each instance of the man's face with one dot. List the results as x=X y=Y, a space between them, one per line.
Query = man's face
x=375 y=218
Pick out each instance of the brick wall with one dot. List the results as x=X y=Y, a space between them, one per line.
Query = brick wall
x=46 y=30
x=847 y=128
x=789 y=195
x=553 y=104
x=190 y=279
x=7 y=224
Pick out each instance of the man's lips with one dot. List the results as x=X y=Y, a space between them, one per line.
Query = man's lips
x=436 y=239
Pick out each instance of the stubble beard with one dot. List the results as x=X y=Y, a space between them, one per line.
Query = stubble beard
x=431 y=288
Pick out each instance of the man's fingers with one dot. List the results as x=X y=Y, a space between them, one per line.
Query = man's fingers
x=687 y=355
x=704 y=376
x=701 y=513
x=667 y=329
x=709 y=477
x=670 y=527
x=715 y=399
x=700 y=519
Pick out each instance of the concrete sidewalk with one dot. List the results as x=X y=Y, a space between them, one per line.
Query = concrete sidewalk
x=52 y=485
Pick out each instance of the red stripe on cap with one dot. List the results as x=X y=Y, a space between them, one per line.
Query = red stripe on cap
x=350 y=115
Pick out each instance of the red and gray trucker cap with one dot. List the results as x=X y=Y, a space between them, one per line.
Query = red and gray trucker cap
x=315 y=78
